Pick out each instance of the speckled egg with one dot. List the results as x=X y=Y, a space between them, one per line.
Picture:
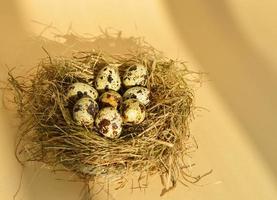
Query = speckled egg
x=84 y=111
x=135 y=75
x=139 y=93
x=110 y=98
x=109 y=122
x=133 y=112
x=79 y=90
x=108 y=79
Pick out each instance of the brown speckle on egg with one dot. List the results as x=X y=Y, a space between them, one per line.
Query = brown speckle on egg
x=84 y=111
x=103 y=125
x=80 y=94
x=110 y=78
x=92 y=109
x=132 y=68
x=114 y=126
x=109 y=122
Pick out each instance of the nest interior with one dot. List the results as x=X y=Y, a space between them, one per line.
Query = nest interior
x=161 y=144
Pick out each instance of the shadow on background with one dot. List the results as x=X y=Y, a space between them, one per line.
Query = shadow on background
x=241 y=75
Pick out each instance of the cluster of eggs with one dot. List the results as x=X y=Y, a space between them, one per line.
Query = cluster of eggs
x=109 y=111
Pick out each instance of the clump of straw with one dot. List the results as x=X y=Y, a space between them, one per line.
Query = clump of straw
x=162 y=144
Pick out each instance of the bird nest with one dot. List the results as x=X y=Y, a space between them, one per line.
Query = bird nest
x=161 y=144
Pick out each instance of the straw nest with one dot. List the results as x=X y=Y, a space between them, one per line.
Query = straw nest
x=161 y=144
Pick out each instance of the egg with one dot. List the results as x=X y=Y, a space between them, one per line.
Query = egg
x=133 y=112
x=84 y=111
x=109 y=122
x=110 y=98
x=79 y=90
x=108 y=79
x=135 y=75
x=139 y=93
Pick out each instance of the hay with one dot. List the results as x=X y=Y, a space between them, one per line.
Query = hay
x=161 y=145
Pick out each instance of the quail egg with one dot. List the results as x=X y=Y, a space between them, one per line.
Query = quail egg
x=110 y=98
x=78 y=90
x=108 y=79
x=84 y=111
x=135 y=75
x=109 y=122
x=139 y=93
x=133 y=112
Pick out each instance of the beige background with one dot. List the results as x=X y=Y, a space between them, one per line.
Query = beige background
x=236 y=137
